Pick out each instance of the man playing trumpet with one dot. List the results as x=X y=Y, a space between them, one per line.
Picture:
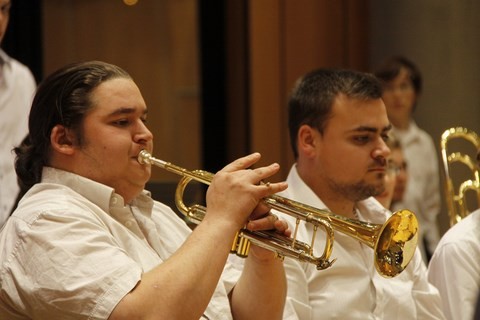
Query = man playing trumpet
x=87 y=242
x=338 y=130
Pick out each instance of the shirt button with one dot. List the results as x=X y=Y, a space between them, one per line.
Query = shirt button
x=129 y=224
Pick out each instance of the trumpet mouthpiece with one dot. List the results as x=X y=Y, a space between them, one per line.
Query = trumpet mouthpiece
x=144 y=157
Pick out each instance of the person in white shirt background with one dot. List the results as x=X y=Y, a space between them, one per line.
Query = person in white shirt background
x=402 y=87
x=17 y=87
x=395 y=176
x=401 y=177
x=338 y=129
x=455 y=269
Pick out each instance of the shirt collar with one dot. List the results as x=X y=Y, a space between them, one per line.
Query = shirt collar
x=4 y=58
x=406 y=136
x=97 y=193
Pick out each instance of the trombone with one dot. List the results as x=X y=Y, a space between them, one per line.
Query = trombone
x=456 y=193
x=394 y=242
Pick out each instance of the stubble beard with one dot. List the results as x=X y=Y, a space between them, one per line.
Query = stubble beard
x=360 y=190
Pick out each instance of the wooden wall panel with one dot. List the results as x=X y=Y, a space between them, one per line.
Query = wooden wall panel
x=357 y=35
x=265 y=79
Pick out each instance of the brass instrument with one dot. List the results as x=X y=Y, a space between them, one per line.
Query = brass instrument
x=394 y=242
x=456 y=196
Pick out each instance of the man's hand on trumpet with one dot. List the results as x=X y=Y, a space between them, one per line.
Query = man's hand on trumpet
x=268 y=221
x=236 y=181
x=261 y=269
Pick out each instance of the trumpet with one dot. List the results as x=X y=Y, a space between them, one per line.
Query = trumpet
x=394 y=242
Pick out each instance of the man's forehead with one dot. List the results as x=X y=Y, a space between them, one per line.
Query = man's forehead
x=353 y=115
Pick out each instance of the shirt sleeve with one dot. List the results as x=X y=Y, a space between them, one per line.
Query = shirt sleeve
x=426 y=297
x=453 y=270
x=431 y=202
x=76 y=272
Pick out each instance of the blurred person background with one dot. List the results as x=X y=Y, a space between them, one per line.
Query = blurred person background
x=17 y=87
x=396 y=177
x=402 y=88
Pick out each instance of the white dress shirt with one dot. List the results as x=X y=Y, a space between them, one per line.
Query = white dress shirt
x=422 y=194
x=351 y=288
x=73 y=250
x=17 y=87
x=455 y=268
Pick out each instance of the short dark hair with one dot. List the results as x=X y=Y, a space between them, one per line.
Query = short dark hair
x=313 y=95
x=62 y=98
x=390 y=68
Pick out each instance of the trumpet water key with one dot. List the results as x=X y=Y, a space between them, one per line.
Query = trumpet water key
x=394 y=242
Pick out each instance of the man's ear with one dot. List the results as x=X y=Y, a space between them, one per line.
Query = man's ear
x=62 y=140
x=307 y=140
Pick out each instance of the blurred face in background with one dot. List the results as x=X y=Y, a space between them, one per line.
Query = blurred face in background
x=400 y=97
x=385 y=198
x=4 y=17
x=398 y=160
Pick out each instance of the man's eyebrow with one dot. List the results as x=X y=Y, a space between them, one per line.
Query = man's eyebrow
x=126 y=110
x=387 y=128
x=371 y=129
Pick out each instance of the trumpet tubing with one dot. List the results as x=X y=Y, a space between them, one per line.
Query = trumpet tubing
x=394 y=242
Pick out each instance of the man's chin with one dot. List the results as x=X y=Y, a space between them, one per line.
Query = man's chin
x=376 y=190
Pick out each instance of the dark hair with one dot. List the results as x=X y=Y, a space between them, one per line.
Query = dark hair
x=390 y=68
x=62 y=98
x=313 y=95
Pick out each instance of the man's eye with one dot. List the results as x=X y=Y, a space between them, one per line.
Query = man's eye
x=121 y=122
x=361 y=139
